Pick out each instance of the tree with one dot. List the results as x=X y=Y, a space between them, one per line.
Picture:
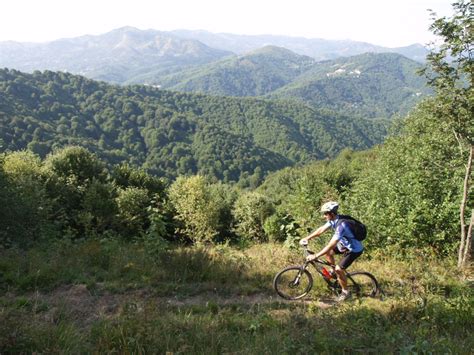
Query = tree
x=24 y=206
x=133 y=203
x=196 y=210
x=409 y=193
x=450 y=71
x=250 y=211
x=76 y=180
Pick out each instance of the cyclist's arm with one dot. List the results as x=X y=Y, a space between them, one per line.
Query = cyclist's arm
x=330 y=246
x=317 y=232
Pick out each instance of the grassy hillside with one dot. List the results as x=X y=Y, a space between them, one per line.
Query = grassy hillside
x=106 y=297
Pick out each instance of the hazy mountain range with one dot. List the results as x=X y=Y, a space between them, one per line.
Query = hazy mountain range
x=319 y=49
x=129 y=54
x=115 y=56
x=379 y=84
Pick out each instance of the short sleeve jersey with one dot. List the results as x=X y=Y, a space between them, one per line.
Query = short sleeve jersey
x=345 y=237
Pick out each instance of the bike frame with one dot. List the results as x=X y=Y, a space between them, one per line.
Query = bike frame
x=318 y=265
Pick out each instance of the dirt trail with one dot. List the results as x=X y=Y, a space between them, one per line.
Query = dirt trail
x=86 y=306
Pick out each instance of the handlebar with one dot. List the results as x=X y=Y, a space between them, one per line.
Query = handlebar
x=304 y=244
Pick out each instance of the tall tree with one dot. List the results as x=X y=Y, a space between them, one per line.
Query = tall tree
x=450 y=71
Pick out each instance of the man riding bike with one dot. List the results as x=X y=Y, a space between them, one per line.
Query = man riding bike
x=342 y=242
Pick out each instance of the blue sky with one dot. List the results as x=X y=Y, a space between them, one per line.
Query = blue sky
x=383 y=22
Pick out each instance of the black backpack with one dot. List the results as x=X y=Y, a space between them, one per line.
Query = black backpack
x=357 y=228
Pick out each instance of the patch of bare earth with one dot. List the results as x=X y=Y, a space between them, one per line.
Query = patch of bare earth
x=86 y=306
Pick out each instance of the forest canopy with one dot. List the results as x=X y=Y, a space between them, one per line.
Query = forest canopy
x=169 y=133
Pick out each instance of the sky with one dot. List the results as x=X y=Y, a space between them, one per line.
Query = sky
x=390 y=23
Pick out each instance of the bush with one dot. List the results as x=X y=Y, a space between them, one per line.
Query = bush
x=24 y=205
x=98 y=209
x=197 y=210
x=132 y=204
x=73 y=180
x=250 y=212
x=156 y=233
x=273 y=228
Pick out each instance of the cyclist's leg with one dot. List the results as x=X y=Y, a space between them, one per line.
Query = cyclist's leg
x=330 y=255
x=341 y=278
x=341 y=267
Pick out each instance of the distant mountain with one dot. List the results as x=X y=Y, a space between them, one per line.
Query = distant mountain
x=415 y=52
x=130 y=55
x=367 y=85
x=319 y=49
x=116 y=56
x=171 y=133
x=256 y=73
x=177 y=60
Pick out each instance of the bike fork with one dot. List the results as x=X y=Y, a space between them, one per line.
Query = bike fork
x=298 y=276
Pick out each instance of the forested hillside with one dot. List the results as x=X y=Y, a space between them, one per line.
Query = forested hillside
x=257 y=73
x=171 y=133
x=368 y=85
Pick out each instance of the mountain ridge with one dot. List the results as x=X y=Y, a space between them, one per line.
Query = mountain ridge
x=318 y=48
x=256 y=73
x=369 y=85
x=113 y=56
x=126 y=53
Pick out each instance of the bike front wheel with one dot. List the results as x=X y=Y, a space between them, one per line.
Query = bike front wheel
x=362 y=284
x=293 y=283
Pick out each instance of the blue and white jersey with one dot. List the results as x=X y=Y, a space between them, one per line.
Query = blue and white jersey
x=345 y=237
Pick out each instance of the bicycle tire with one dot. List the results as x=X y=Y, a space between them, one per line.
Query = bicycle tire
x=362 y=284
x=289 y=286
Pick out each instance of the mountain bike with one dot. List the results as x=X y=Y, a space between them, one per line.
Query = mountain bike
x=295 y=282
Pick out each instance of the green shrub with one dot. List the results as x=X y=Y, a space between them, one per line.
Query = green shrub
x=273 y=228
x=411 y=192
x=250 y=212
x=132 y=204
x=24 y=204
x=197 y=209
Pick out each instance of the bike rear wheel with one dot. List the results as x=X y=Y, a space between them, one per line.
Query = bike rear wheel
x=362 y=284
x=293 y=282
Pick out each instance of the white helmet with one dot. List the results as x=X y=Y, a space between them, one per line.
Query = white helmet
x=330 y=206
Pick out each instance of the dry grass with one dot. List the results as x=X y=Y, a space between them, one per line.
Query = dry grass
x=108 y=297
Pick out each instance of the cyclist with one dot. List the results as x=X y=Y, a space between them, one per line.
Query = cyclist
x=342 y=242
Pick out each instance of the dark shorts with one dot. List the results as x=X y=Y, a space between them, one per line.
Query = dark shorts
x=347 y=259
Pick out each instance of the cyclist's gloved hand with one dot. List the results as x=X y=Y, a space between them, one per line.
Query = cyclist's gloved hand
x=311 y=257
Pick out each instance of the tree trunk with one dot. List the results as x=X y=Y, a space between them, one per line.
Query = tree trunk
x=466 y=231
x=468 y=246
